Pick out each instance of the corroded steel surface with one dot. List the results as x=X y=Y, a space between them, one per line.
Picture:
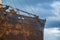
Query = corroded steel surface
x=17 y=27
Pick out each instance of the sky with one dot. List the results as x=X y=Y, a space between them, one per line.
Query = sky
x=45 y=9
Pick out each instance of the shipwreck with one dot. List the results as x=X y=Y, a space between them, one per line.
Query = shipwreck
x=14 y=26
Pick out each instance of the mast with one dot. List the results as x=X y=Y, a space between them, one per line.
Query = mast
x=0 y=3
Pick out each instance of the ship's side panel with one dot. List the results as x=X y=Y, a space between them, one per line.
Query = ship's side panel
x=24 y=28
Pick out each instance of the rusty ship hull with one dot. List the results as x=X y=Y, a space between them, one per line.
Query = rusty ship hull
x=21 y=29
x=14 y=26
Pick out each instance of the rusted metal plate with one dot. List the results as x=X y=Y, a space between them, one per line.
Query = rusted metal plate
x=24 y=28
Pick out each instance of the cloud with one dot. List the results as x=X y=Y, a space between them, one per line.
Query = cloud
x=56 y=6
x=56 y=10
x=54 y=21
x=39 y=10
x=54 y=18
x=51 y=34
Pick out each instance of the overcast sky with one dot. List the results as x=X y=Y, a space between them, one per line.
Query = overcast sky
x=49 y=9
